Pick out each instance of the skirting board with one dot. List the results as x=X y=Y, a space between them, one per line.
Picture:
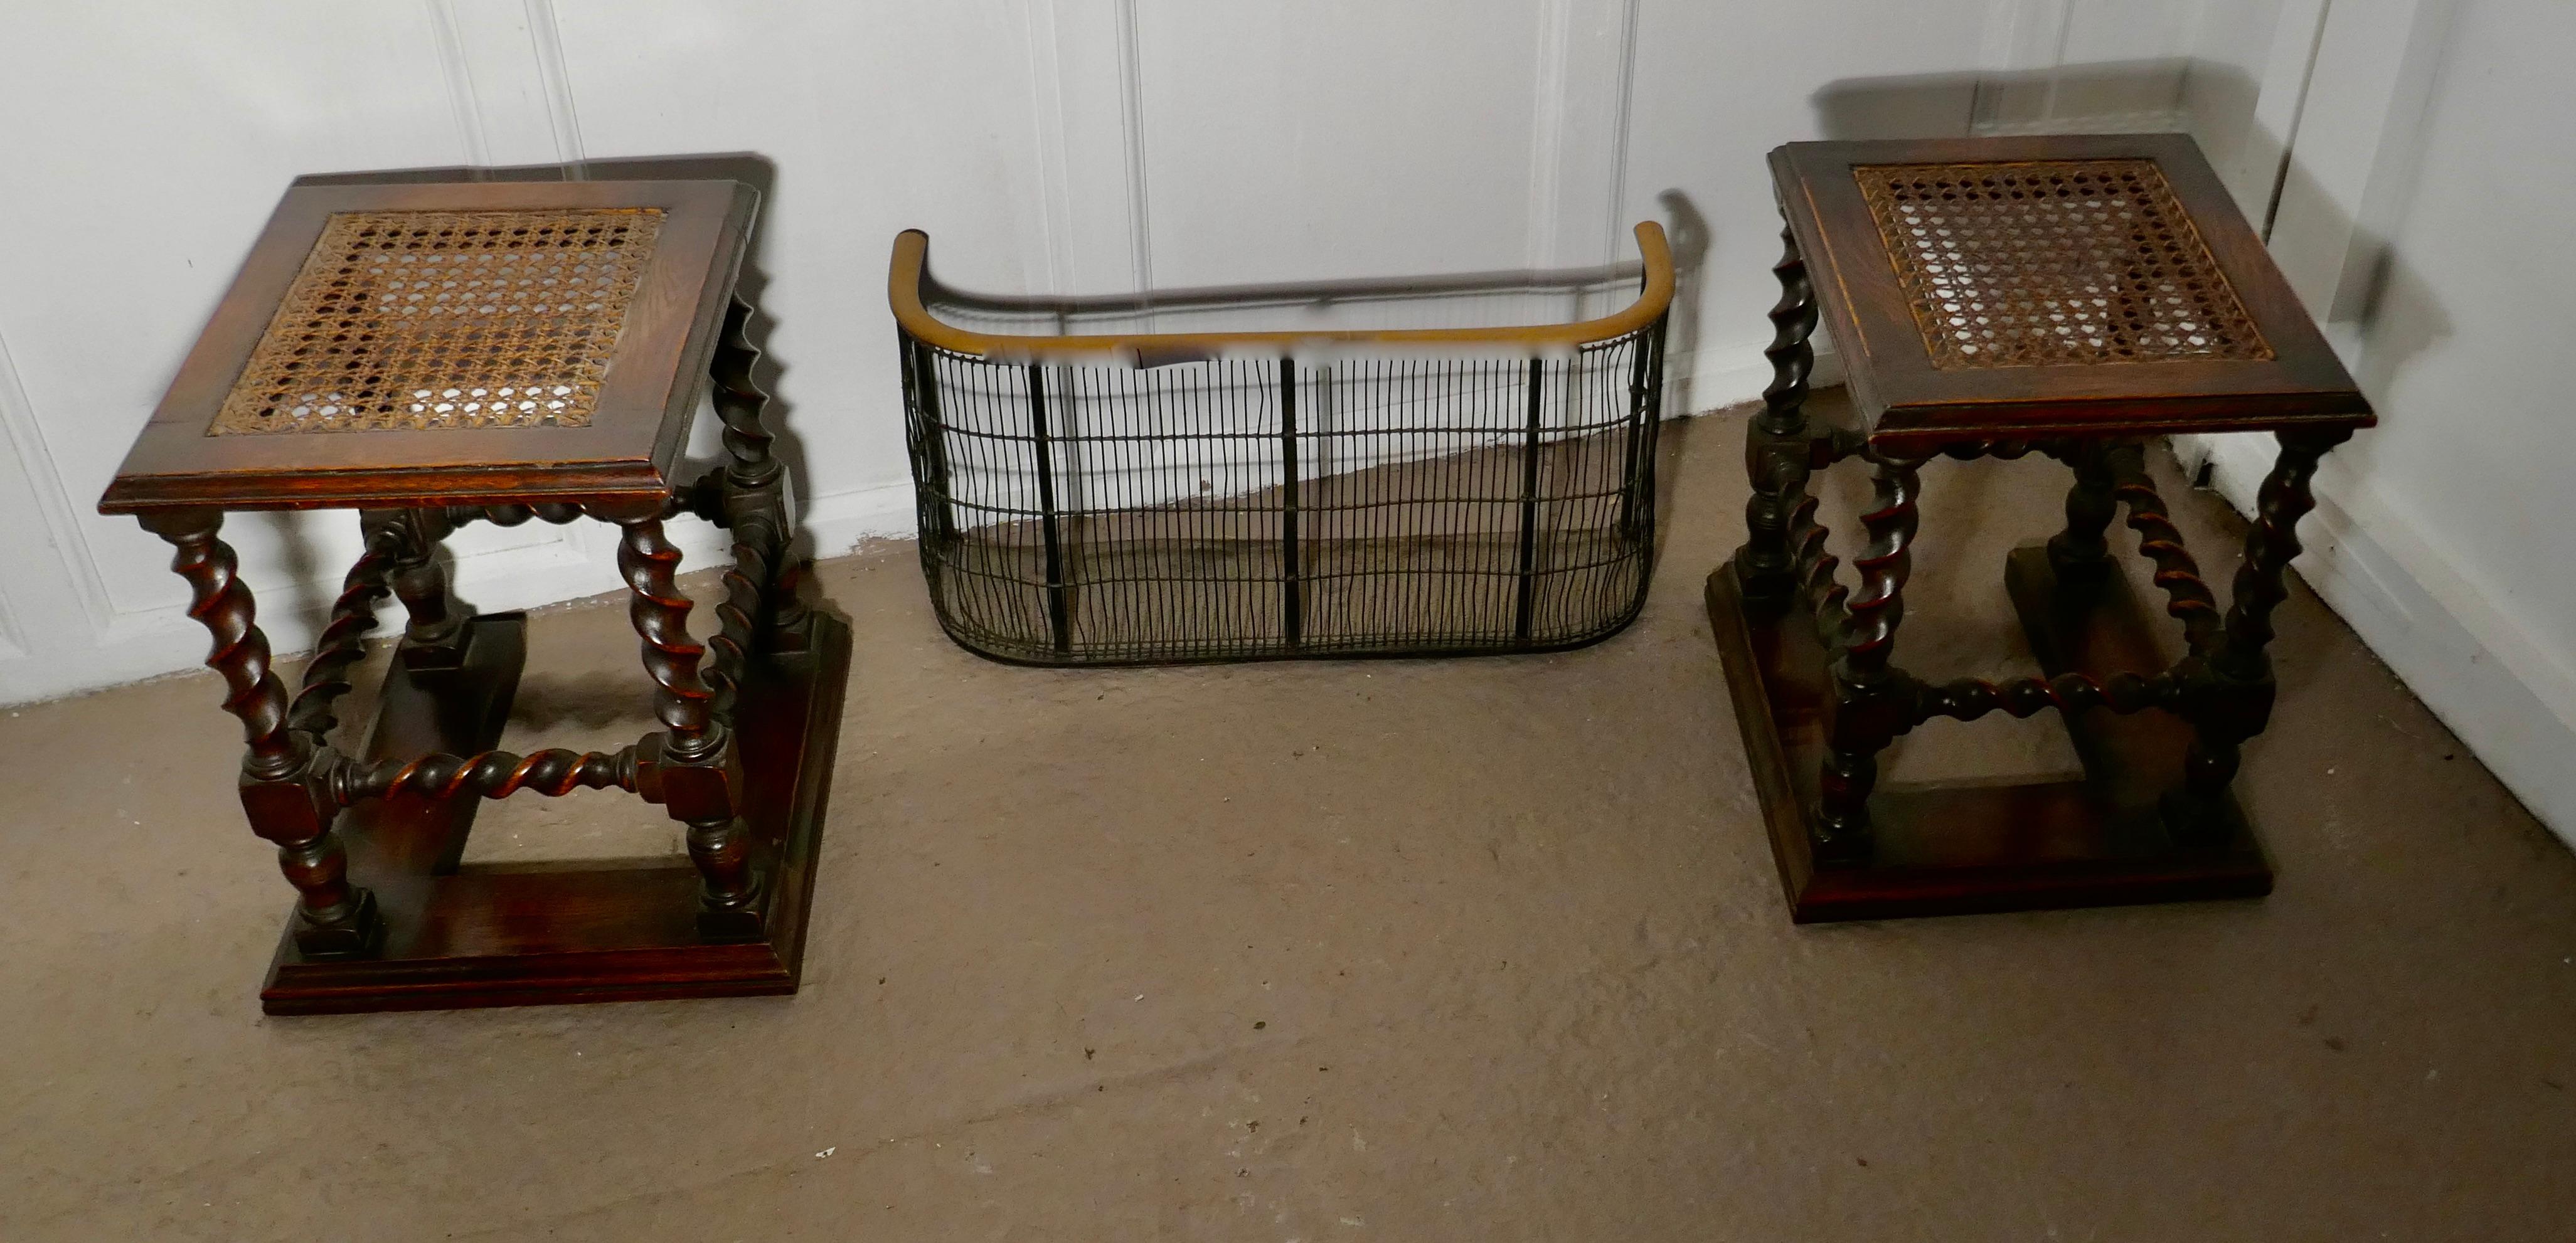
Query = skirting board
x=154 y=642
x=2487 y=679
x=160 y=641
x=1706 y=381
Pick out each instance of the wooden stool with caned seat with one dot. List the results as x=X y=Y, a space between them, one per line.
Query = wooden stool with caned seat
x=2072 y=296
x=431 y=354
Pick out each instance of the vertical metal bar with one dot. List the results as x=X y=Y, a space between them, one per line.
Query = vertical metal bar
x=1529 y=511
x=1654 y=426
x=1291 y=608
x=1645 y=390
x=931 y=441
x=1641 y=348
x=1058 y=620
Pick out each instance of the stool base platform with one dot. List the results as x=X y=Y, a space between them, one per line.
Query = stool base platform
x=555 y=933
x=2100 y=841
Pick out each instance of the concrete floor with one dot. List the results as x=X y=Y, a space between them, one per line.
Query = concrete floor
x=1475 y=949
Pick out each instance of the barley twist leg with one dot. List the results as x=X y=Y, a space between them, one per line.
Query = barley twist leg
x=1872 y=701
x=1776 y=449
x=285 y=779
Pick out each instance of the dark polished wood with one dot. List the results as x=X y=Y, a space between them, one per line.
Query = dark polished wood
x=2069 y=295
x=285 y=777
x=629 y=448
x=626 y=291
x=548 y=933
x=1776 y=450
x=1903 y=397
x=420 y=821
x=2082 y=550
x=1967 y=849
x=2235 y=686
x=1872 y=704
x=435 y=635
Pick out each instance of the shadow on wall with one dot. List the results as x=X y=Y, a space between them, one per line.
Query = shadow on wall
x=2378 y=294
x=2379 y=297
x=752 y=169
x=1688 y=231
x=2102 y=97
x=2385 y=313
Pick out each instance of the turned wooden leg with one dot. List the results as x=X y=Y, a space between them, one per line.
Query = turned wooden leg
x=692 y=767
x=436 y=637
x=1776 y=444
x=759 y=495
x=1871 y=705
x=285 y=779
x=2232 y=696
x=2080 y=552
x=660 y=613
x=2262 y=581
x=342 y=643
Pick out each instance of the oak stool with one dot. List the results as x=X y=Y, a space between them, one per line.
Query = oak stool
x=2066 y=295
x=437 y=354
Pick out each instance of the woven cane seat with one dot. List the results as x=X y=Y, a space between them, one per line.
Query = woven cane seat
x=2012 y=288
x=418 y=320
x=407 y=342
x=2067 y=261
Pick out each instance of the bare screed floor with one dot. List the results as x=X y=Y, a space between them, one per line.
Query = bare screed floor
x=1412 y=951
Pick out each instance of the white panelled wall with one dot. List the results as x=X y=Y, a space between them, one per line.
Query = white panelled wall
x=1049 y=146
x=2425 y=216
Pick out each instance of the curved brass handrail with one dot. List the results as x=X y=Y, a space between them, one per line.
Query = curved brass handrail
x=1152 y=349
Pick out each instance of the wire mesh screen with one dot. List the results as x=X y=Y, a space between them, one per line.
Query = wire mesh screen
x=1248 y=508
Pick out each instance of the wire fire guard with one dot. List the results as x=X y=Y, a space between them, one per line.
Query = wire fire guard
x=1133 y=497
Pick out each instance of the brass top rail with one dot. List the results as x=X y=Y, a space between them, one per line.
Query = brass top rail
x=1153 y=349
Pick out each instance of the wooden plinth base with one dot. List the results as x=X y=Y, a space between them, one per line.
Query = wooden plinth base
x=2095 y=842
x=553 y=933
